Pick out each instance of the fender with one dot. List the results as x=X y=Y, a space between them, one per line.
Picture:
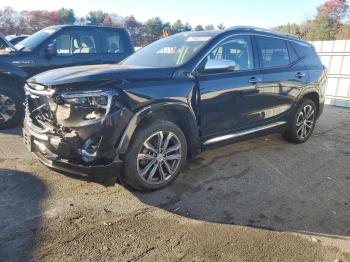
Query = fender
x=148 y=111
x=12 y=71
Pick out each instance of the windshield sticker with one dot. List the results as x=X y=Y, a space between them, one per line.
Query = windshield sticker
x=49 y=31
x=198 y=38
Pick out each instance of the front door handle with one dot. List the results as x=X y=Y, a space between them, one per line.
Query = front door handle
x=300 y=75
x=254 y=80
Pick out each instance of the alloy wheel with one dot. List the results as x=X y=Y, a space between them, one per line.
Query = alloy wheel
x=159 y=157
x=7 y=108
x=305 y=121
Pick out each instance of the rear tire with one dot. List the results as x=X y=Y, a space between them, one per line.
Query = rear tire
x=303 y=123
x=156 y=155
x=11 y=107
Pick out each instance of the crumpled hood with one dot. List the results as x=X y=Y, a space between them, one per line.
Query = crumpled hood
x=100 y=73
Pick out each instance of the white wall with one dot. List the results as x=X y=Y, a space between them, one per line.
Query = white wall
x=335 y=55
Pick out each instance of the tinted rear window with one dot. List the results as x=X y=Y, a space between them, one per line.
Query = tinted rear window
x=308 y=53
x=273 y=52
x=304 y=50
x=292 y=53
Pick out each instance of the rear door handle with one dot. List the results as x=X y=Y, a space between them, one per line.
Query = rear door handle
x=254 y=80
x=300 y=75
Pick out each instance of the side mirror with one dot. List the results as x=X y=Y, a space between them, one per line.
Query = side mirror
x=219 y=66
x=50 y=51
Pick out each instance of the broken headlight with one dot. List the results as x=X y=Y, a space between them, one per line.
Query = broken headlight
x=95 y=99
x=86 y=105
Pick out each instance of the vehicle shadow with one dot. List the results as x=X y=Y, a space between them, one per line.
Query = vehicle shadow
x=265 y=183
x=12 y=131
x=21 y=196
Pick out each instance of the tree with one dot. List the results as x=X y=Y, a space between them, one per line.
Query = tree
x=136 y=30
x=187 y=27
x=9 y=20
x=116 y=20
x=66 y=16
x=107 y=20
x=209 y=27
x=322 y=28
x=328 y=21
x=178 y=27
x=96 y=17
x=166 y=29
x=344 y=32
x=335 y=9
x=199 y=28
x=328 y=24
x=154 y=28
x=221 y=26
x=39 y=19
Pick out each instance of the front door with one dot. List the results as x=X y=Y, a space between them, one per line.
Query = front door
x=229 y=100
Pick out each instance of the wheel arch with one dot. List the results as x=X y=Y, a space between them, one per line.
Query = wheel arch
x=176 y=112
x=315 y=97
x=13 y=76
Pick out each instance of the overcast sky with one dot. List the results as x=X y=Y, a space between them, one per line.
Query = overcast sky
x=267 y=13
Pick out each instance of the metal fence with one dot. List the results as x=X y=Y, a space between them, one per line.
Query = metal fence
x=335 y=55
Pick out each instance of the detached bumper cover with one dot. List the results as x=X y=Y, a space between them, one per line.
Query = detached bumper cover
x=106 y=174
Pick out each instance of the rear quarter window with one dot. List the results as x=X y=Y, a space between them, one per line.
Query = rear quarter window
x=112 y=42
x=308 y=53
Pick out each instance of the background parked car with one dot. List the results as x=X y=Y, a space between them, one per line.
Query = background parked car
x=50 y=48
x=5 y=44
x=15 y=39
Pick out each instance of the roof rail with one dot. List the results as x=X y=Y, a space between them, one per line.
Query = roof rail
x=252 y=28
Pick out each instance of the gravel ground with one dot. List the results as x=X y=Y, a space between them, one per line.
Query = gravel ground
x=260 y=200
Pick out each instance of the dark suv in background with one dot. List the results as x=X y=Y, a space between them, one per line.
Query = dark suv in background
x=50 y=48
x=170 y=100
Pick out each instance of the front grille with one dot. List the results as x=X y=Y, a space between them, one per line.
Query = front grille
x=38 y=107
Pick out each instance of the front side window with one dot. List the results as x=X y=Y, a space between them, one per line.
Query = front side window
x=72 y=43
x=172 y=51
x=237 y=49
x=113 y=43
x=273 y=52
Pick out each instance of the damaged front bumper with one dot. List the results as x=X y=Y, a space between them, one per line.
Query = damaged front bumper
x=68 y=131
x=38 y=144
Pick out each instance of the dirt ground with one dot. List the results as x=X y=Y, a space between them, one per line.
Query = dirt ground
x=260 y=200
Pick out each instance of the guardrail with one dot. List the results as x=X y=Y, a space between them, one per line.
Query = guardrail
x=335 y=55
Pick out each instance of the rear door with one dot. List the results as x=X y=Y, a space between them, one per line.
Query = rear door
x=115 y=45
x=73 y=47
x=284 y=76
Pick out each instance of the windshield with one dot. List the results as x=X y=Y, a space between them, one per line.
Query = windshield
x=168 y=52
x=34 y=40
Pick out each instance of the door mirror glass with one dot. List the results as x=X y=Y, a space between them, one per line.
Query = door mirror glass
x=220 y=65
x=51 y=50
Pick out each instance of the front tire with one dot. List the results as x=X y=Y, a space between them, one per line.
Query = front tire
x=155 y=157
x=303 y=124
x=11 y=107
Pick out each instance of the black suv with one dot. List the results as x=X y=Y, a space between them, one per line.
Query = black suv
x=170 y=100
x=54 y=47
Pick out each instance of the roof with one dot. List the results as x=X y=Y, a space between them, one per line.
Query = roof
x=202 y=33
x=80 y=26
x=266 y=31
x=251 y=29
